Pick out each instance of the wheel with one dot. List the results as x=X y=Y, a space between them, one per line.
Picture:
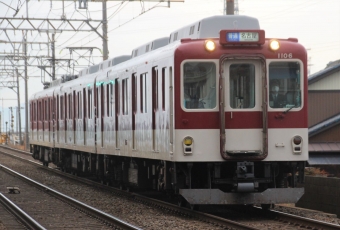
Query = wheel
x=194 y=207
x=181 y=202
x=265 y=206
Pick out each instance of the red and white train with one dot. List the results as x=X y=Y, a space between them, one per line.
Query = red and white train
x=216 y=113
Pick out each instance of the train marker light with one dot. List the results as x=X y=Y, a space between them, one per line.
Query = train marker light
x=188 y=145
x=210 y=45
x=274 y=45
x=188 y=141
x=297 y=140
x=297 y=144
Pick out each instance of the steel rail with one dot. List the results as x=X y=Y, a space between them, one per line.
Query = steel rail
x=198 y=215
x=22 y=216
x=75 y=203
x=143 y=199
x=303 y=221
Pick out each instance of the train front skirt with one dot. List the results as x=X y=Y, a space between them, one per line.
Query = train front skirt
x=216 y=196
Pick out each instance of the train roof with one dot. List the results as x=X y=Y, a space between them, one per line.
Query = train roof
x=211 y=27
x=205 y=28
x=155 y=44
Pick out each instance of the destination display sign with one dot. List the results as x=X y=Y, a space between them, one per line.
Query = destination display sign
x=242 y=37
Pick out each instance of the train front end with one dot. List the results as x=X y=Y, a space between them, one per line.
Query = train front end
x=240 y=118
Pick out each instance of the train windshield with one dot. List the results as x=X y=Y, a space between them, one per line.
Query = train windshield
x=284 y=85
x=242 y=86
x=199 y=81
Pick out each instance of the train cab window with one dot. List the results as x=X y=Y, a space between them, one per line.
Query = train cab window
x=284 y=85
x=242 y=86
x=199 y=85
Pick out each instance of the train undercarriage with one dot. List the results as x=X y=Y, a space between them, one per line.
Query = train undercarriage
x=197 y=183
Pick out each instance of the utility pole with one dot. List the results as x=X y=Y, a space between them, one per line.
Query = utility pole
x=105 y=37
x=19 y=112
x=26 y=93
x=230 y=7
x=53 y=56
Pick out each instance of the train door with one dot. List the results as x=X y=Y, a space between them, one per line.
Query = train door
x=154 y=111
x=100 y=114
x=244 y=113
x=117 y=112
x=171 y=110
x=62 y=119
x=90 y=120
x=79 y=134
x=134 y=108
x=49 y=118
x=57 y=117
x=84 y=98
x=40 y=120
x=74 y=113
x=69 y=125
x=34 y=125
x=45 y=119
x=53 y=119
x=67 y=110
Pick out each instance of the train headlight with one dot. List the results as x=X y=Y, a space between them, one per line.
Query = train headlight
x=297 y=144
x=188 y=145
x=210 y=45
x=274 y=45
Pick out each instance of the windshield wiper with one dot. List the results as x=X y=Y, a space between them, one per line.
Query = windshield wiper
x=289 y=109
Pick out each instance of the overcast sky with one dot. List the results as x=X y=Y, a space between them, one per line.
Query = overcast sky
x=316 y=24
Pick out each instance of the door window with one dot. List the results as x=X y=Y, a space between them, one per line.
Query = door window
x=242 y=86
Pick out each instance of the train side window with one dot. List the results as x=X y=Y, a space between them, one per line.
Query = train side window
x=199 y=85
x=89 y=103
x=65 y=98
x=154 y=85
x=79 y=105
x=134 y=93
x=112 y=100
x=50 y=109
x=163 y=88
x=117 y=98
x=69 y=106
x=39 y=109
x=46 y=110
x=125 y=96
x=84 y=103
x=61 y=107
x=108 y=100
x=284 y=84
x=242 y=86
x=34 y=111
x=143 y=92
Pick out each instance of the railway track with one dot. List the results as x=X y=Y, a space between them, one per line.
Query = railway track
x=13 y=217
x=51 y=208
x=274 y=220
